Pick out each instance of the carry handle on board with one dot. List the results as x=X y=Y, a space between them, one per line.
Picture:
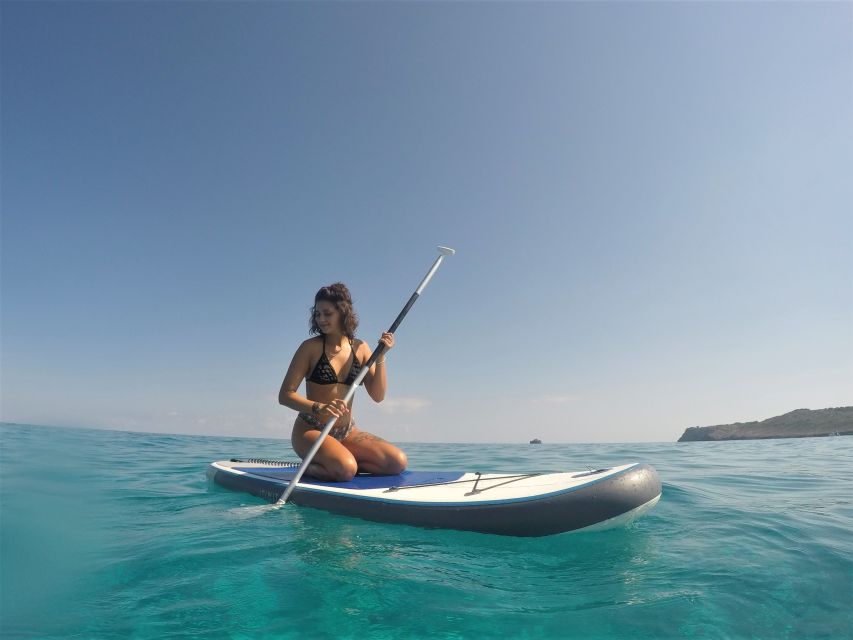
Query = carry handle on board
x=443 y=251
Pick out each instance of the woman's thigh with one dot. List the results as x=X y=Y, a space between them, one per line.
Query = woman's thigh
x=334 y=458
x=373 y=454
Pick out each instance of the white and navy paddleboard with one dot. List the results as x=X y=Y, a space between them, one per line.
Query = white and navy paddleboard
x=529 y=504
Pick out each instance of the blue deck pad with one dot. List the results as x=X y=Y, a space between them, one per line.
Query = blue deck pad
x=361 y=482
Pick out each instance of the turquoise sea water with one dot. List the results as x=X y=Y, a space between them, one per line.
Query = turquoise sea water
x=108 y=534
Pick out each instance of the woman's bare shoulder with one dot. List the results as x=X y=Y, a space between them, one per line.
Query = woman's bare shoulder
x=361 y=349
x=310 y=345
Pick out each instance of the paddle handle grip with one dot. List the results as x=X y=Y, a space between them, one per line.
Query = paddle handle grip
x=381 y=348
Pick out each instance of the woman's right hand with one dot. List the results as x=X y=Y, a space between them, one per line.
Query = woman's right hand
x=335 y=408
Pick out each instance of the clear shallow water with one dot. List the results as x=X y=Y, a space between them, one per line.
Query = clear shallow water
x=109 y=534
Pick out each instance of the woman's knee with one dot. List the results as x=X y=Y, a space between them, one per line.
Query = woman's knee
x=342 y=469
x=396 y=462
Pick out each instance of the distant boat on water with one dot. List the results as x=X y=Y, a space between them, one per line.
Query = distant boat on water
x=536 y=441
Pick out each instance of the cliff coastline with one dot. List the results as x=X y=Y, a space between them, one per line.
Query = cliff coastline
x=802 y=423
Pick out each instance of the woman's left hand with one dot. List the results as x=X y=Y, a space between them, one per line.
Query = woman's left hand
x=388 y=340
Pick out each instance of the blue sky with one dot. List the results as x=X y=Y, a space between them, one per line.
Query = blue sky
x=651 y=204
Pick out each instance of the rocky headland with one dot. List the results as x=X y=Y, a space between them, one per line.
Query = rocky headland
x=802 y=423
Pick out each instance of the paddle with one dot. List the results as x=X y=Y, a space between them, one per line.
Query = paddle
x=443 y=251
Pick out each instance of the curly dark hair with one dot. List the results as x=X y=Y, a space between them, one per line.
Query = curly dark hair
x=339 y=295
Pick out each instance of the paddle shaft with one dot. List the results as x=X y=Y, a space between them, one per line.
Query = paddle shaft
x=380 y=349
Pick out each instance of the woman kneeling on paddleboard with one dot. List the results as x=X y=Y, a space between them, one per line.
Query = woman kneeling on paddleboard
x=329 y=363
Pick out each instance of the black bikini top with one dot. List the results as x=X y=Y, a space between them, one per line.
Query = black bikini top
x=324 y=373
